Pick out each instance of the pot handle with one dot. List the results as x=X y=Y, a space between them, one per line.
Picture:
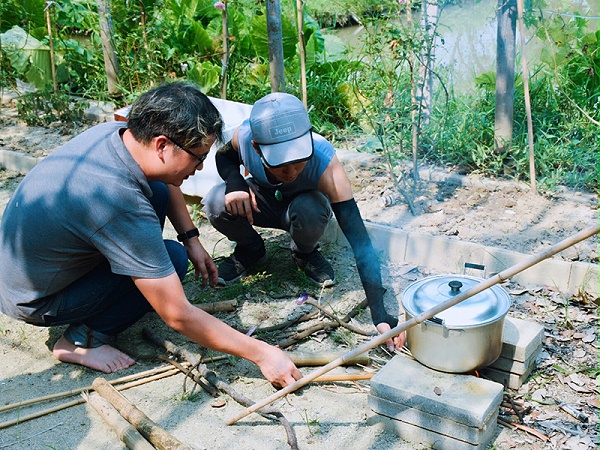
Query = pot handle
x=436 y=320
x=481 y=267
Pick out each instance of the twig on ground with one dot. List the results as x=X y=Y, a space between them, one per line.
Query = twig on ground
x=32 y=436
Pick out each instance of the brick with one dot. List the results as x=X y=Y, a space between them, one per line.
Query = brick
x=520 y=338
x=507 y=379
x=413 y=433
x=409 y=383
x=516 y=367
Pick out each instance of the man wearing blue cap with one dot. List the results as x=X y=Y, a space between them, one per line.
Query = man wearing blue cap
x=296 y=183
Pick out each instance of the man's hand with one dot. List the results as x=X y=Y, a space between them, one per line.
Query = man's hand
x=240 y=203
x=203 y=263
x=277 y=367
x=395 y=343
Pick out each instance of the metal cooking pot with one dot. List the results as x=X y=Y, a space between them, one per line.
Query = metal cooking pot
x=466 y=336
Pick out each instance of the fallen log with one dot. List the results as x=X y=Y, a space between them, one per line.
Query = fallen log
x=159 y=437
x=123 y=429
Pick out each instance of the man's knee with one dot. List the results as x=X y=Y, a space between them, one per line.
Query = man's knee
x=312 y=208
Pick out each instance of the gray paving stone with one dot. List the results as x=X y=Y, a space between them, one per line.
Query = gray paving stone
x=507 y=379
x=516 y=367
x=442 y=425
x=409 y=383
x=520 y=339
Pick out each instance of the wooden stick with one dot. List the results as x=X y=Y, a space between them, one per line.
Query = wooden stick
x=78 y=391
x=123 y=429
x=333 y=377
x=304 y=359
x=504 y=275
x=122 y=387
x=148 y=428
x=226 y=305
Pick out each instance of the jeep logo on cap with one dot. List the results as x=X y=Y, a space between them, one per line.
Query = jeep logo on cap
x=282 y=130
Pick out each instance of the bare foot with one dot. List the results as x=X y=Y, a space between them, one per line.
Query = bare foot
x=105 y=358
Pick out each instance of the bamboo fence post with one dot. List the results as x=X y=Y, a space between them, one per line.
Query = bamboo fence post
x=123 y=429
x=504 y=275
x=526 y=94
x=148 y=428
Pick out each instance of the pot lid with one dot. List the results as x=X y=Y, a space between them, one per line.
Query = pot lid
x=485 y=307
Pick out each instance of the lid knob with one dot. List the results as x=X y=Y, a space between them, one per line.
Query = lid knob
x=455 y=286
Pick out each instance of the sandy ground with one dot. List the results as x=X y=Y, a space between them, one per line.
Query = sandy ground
x=324 y=415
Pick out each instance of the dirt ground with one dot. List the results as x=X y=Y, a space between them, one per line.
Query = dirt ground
x=324 y=415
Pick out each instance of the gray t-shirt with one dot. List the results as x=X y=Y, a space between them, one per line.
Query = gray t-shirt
x=85 y=203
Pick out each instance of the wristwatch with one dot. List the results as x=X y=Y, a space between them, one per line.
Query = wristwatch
x=188 y=234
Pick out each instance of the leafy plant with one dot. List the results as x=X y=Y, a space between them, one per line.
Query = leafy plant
x=44 y=107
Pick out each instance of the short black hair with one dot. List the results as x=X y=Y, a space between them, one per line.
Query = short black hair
x=178 y=110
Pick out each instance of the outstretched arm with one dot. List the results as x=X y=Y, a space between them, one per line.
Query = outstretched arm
x=168 y=299
x=336 y=185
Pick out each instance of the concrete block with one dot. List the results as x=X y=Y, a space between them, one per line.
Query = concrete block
x=520 y=338
x=414 y=433
x=17 y=161
x=442 y=425
x=516 y=367
x=407 y=382
x=507 y=379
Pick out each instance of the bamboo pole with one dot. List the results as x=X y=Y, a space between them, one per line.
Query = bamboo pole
x=123 y=429
x=159 y=437
x=527 y=98
x=122 y=387
x=304 y=359
x=51 y=45
x=333 y=377
x=77 y=391
x=213 y=307
x=485 y=284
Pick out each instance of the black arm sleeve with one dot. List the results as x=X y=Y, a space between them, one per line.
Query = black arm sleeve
x=367 y=262
x=228 y=166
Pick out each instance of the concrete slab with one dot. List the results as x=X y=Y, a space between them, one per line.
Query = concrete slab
x=584 y=276
x=507 y=379
x=407 y=382
x=442 y=425
x=520 y=338
x=516 y=367
x=416 y=434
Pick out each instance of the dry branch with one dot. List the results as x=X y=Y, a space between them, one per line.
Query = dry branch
x=148 y=428
x=123 y=429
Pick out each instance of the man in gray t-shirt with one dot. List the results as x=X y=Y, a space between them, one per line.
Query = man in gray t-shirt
x=81 y=238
